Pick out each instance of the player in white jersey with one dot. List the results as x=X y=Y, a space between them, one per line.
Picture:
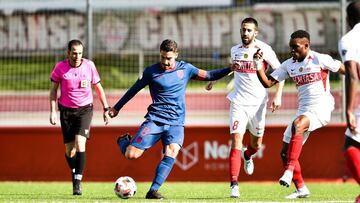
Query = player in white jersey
x=248 y=101
x=349 y=49
x=310 y=72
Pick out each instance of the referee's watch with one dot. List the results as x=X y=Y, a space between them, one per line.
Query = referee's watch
x=106 y=109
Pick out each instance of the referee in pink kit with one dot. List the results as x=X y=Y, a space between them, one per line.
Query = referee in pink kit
x=75 y=76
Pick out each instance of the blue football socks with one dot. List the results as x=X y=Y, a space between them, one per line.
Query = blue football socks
x=123 y=144
x=162 y=172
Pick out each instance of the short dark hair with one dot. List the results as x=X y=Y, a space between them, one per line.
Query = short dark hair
x=353 y=13
x=250 y=20
x=300 y=34
x=168 y=45
x=74 y=42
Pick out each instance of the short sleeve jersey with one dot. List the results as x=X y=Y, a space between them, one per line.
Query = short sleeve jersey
x=75 y=83
x=349 y=45
x=247 y=89
x=311 y=77
x=349 y=49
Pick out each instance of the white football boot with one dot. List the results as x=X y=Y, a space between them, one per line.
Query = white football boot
x=248 y=164
x=285 y=180
x=302 y=192
x=234 y=191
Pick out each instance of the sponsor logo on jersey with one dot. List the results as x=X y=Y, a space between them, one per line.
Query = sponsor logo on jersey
x=307 y=78
x=246 y=67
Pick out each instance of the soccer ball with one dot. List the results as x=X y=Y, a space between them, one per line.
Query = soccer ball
x=125 y=187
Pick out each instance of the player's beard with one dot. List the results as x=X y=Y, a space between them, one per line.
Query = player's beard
x=247 y=40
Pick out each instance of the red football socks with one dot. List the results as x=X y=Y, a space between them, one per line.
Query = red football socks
x=249 y=152
x=297 y=177
x=234 y=164
x=294 y=150
x=352 y=157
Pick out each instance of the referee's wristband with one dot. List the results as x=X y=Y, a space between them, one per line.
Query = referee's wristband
x=106 y=109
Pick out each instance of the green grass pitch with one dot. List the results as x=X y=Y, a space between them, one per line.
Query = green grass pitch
x=175 y=192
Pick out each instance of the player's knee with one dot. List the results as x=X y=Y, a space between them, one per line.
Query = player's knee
x=70 y=152
x=132 y=154
x=256 y=145
x=171 y=153
x=236 y=141
x=172 y=150
x=299 y=126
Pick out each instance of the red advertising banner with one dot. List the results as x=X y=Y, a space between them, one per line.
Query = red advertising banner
x=30 y=154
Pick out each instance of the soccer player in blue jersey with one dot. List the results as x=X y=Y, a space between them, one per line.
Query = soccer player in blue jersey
x=167 y=82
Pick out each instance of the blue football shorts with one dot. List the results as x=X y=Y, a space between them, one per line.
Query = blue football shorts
x=151 y=132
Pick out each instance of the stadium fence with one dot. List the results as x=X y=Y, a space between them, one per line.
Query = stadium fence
x=123 y=39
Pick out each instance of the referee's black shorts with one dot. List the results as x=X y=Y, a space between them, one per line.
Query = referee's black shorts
x=75 y=121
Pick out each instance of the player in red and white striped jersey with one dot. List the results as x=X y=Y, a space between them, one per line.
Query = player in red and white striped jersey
x=310 y=72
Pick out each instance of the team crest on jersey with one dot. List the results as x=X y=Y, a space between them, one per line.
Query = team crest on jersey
x=246 y=55
x=180 y=73
x=301 y=69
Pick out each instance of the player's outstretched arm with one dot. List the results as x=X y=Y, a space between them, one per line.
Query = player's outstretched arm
x=210 y=85
x=260 y=72
x=113 y=112
x=213 y=74
x=137 y=86
x=265 y=80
